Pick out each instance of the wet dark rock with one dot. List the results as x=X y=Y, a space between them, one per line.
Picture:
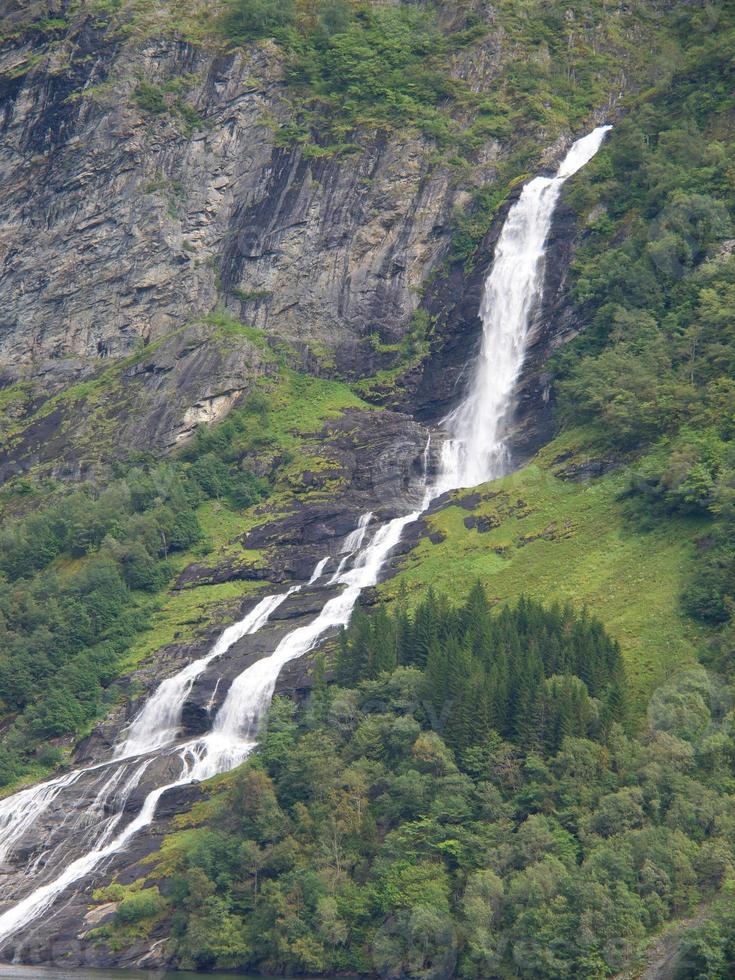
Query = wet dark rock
x=482 y=524
x=225 y=570
x=580 y=471
x=469 y=501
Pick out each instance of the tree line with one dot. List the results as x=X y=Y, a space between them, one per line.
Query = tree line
x=372 y=835
x=530 y=673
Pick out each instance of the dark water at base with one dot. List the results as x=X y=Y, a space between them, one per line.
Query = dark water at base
x=83 y=973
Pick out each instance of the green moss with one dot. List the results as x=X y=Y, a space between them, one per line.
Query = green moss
x=31 y=776
x=137 y=913
x=300 y=405
x=14 y=400
x=250 y=295
x=225 y=325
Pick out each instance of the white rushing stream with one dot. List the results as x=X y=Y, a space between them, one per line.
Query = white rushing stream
x=473 y=452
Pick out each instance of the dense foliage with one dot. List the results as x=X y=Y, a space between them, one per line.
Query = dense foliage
x=655 y=280
x=356 y=64
x=358 y=840
x=352 y=64
x=530 y=674
x=72 y=577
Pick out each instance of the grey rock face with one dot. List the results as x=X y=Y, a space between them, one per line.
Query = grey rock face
x=122 y=227
x=119 y=225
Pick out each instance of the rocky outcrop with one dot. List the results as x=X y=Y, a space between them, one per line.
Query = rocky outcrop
x=120 y=224
x=127 y=220
x=153 y=400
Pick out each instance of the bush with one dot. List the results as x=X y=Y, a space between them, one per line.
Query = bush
x=711 y=593
x=150 y=98
x=186 y=531
x=141 y=571
x=140 y=905
x=247 y=489
x=249 y=20
x=212 y=475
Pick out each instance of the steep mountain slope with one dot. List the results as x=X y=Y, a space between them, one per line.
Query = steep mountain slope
x=210 y=225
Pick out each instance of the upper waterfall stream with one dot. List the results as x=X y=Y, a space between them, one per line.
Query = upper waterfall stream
x=474 y=451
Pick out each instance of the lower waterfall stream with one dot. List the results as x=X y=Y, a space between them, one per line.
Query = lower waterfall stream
x=474 y=450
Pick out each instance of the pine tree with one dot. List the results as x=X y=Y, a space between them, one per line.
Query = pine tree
x=383 y=644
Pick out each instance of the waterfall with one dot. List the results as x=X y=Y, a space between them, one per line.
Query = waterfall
x=158 y=722
x=352 y=544
x=475 y=450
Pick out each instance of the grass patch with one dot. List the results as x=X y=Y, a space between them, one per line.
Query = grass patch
x=185 y=614
x=225 y=326
x=556 y=540
x=301 y=405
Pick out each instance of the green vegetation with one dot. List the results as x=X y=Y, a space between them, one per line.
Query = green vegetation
x=356 y=65
x=150 y=98
x=529 y=674
x=84 y=579
x=708 y=950
x=250 y=295
x=359 y=841
x=553 y=539
x=167 y=97
x=73 y=577
x=353 y=65
x=655 y=282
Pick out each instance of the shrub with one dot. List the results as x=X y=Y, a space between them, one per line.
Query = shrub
x=150 y=98
x=140 y=905
x=249 y=20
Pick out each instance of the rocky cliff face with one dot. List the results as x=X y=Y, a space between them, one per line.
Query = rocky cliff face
x=121 y=224
x=127 y=220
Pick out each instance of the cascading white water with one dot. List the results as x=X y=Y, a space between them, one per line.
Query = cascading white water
x=233 y=735
x=474 y=452
x=352 y=544
x=19 y=812
x=156 y=725
x=158 y=722
x=319 y=570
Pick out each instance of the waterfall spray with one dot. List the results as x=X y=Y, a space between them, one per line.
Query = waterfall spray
x=476 y=450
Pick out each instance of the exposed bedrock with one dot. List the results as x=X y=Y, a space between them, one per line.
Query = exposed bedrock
x=120 y=225
x=123 y=228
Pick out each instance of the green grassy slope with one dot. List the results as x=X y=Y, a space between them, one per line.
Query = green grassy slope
x=554 y=539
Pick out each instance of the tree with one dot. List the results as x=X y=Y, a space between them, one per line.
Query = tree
x=248 y=20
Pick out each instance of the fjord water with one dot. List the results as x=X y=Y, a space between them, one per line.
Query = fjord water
x=474 y=450
x=14 y=972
